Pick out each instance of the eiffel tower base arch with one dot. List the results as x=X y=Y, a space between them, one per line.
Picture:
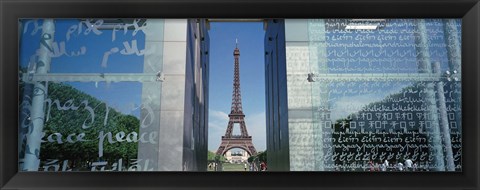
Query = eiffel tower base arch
x=237 y=142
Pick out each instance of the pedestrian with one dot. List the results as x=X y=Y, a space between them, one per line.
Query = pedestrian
x=400 y=166
x=370 y=164
x=408 y=164
x=245 y=167
x=264 y=166
x=383 y=167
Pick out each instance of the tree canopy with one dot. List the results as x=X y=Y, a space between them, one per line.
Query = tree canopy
x=69 y=111
x=213 y=157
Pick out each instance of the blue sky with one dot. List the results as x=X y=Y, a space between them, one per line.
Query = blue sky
x=123 y=96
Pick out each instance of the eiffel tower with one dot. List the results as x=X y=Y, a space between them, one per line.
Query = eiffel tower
x=242 y=141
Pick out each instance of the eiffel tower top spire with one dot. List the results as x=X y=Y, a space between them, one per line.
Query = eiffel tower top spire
x=236 y=95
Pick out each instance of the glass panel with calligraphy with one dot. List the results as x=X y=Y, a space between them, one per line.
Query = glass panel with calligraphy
x=84 y=87
x=386 y=94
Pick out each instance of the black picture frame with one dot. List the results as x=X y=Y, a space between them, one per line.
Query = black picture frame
x=12 y=10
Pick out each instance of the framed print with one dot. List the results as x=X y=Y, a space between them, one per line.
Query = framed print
x=224 y=94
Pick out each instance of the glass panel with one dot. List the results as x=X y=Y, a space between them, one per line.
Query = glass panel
x=374 y=94
x=90 y=93
x=86 y=46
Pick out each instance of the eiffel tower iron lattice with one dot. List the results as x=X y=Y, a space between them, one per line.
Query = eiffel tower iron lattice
x=242 y=141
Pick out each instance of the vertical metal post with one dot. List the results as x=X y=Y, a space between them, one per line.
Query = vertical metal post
x=455 y=60
x=445 y=129
x=424 y=66
x=25 y=106
x=34 y=134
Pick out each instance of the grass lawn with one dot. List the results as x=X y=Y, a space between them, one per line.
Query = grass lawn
x=233 y=167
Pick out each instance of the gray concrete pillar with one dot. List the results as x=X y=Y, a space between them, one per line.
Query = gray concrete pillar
x=148 y=154
x=320 y=112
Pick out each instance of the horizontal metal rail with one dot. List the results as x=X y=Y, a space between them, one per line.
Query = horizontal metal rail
x=94 y=77
x=352 y=77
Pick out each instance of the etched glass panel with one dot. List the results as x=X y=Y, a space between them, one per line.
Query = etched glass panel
x=92 y=92
x=374 y=94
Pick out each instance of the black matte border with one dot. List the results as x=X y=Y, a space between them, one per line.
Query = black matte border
x=11 y=11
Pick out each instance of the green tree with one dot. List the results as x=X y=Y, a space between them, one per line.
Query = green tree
x=68 y=112
x=251 y=158
x=214 y=157
x=262 y=156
